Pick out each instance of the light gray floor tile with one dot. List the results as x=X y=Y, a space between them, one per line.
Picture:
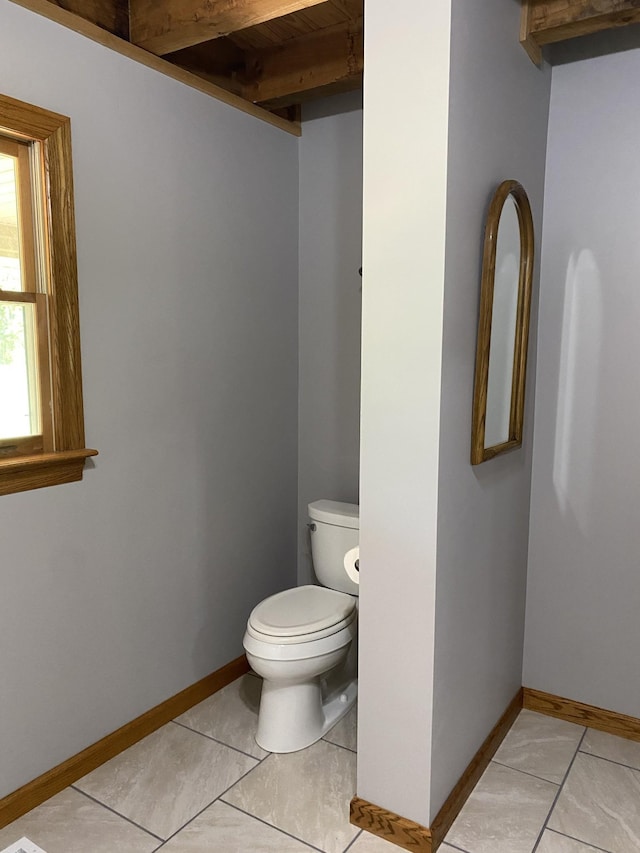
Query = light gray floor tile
x=304 y=793
x=504 y=814
x=230 y=716
x=72 y=823
x=614 y=748
x=167 y=778
x=223 y=828
x=540 y=745
x=551 y=842
x=368 y=843
x=599 y=804
x=345 y=733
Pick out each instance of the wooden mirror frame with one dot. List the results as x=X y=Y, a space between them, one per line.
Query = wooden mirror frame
x=480 y=453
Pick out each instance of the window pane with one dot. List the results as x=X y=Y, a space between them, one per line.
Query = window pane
x=19 y=415
x=10 y=274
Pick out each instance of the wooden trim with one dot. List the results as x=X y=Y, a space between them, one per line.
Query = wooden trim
x=137 y=54
x=61 y=373
x=532 y=48
x=44 y=373
x=25 y=217
x=582 y=714
x=64 y=315
x=390 y=826
x=22 y=473
x=18 y=296
x=412 y=836
x=26 y=121
x=20 y=446
x=480 y=452
x=469 y=779
x=33 y=793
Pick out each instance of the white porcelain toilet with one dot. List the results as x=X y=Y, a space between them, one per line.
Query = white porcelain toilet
x=303 y=641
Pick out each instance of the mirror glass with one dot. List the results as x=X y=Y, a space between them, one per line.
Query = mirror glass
x=503 y=324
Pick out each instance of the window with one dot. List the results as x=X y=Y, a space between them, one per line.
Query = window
x=25 y=415
x=41 y=417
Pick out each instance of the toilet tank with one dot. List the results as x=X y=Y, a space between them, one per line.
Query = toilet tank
x=335 y=529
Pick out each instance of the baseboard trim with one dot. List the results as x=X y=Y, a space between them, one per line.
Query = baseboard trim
x=390 y=826
x=469 y=779
x=40 y=789
x=421 y=839
x=582 y=714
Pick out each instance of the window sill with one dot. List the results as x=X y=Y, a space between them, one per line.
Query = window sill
x=21 y=473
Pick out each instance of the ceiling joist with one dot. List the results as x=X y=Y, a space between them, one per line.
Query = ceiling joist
x=274 y=53
x=328 y=61
x=171 y=25
x=111 y=15
x=547 y=21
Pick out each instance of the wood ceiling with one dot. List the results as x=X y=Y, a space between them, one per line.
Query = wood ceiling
x=549 y=21
x=274 y=53
x=279 y=53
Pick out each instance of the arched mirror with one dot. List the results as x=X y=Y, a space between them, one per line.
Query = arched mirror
x=503 y=324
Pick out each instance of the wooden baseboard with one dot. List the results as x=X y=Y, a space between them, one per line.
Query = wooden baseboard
x=421 y=839
x=479 y=763
x=37 y=791
x=584 y=715
x=390 y=826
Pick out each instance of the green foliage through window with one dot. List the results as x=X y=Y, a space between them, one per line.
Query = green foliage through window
x=8 y=335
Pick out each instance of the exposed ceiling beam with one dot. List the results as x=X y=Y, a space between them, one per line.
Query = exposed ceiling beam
x=329 y=60
x=219 y=61
x=164 y=26
x=547 y=21
x=111 y=15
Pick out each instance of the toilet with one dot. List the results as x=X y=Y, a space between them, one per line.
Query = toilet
x=303 y=641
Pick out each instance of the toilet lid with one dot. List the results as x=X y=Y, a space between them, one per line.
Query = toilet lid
x=302 y=610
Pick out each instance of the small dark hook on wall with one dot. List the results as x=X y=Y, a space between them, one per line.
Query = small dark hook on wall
x=360 y=271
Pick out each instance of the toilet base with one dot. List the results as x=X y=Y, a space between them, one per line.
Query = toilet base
x=294 y=716
x=306 y=693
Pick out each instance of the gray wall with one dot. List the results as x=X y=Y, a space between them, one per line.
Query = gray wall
x=582 y=628
x=497 y=130
x=123 y=589
x=329 y=308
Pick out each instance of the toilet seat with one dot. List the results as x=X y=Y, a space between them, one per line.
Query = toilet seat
x=268 y=648
x=301 y=615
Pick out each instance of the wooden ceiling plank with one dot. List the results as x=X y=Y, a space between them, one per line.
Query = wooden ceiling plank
x=328 y=60
x=548 y=21
x=291 y=26
x=111 y=15
x=165 y=26
x=218 y=61
x=352 y=9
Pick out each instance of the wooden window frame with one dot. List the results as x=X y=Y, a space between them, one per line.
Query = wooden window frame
x=64 y=462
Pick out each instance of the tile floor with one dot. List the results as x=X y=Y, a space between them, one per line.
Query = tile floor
x=201 y=784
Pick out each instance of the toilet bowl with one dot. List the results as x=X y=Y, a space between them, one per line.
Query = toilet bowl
x=302 y=641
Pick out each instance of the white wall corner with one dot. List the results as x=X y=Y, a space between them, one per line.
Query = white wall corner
x=406 y=107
